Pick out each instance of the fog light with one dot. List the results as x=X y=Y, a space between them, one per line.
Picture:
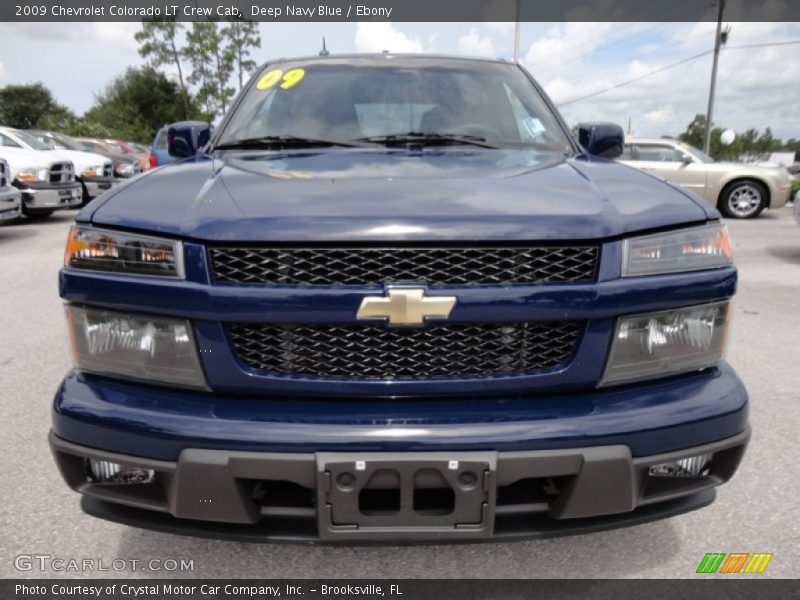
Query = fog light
x=104 y=471
x=691 y=466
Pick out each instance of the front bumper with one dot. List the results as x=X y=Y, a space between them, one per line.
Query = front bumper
x=48 y=197
x=441 y=496
x=582 y=458
x=95 y=187
x=10 y=204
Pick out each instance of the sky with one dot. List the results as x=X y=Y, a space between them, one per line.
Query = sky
x=756 y=87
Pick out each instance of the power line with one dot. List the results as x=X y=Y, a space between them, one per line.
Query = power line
x=635 y=79
x=787 y=43
x=670 y=66
x=606 y=67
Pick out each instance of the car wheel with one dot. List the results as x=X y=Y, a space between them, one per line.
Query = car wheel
x=743 y=200
x=38 y=214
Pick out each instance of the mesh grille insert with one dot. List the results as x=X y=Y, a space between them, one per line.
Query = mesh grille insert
x=376 y=351
x=374 y=266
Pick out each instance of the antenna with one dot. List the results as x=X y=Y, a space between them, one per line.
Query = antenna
x=324 y=52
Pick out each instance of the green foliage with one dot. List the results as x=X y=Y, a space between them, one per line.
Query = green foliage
x=158 y=41
x=212 y=66
x=135 y=105
x=242 y=37
x=751 y=144
x=32 y=106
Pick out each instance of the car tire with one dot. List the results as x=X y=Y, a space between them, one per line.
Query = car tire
x=743 y=199
x=37 y=214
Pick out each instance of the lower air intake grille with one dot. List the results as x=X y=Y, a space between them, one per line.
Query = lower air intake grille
x=376 y=351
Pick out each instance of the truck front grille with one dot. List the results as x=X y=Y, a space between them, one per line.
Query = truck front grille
x=62 y=173
x=370 y=267
x=376 y=351
x=3 y=174
x=108 y=170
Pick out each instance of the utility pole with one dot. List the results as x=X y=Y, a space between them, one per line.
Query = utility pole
x=516 y=34
x=710 y=111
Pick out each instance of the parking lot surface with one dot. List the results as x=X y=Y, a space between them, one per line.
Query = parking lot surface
x=758 y=511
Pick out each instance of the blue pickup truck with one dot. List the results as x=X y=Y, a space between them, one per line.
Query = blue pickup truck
x=394 y=298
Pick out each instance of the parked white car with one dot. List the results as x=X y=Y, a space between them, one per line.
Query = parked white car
x=10 y=197
x=739 y=190
x=94 y=172
x=46 y=180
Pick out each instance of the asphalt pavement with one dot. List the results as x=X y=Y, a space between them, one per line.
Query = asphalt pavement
x=758 y=511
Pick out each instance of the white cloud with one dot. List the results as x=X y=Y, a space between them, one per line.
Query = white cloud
x=377 y=37
x=660 y=116
x=500 y=27
x=118 y=36
x=473 y=44
x=565 y=42
x=3 y=73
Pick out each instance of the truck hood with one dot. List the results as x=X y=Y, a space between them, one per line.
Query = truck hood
x=382 y=194
x=19 y=158
x=81 y=160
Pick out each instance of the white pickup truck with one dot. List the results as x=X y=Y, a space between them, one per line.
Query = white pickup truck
x=95 y=173
x=10 y=198
x=46 y=180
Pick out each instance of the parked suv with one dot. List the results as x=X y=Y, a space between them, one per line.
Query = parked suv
x=46 y=181
x=739 y=190
x=392 y=298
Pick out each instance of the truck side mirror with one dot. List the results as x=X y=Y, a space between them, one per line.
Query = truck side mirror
x=187 y=138
x=601 y=139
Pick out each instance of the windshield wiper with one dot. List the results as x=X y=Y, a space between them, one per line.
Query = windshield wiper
x=281 y=141
x=426 y=139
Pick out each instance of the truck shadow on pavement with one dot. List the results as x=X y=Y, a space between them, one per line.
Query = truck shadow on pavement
x=790 y=254
x=617 y=553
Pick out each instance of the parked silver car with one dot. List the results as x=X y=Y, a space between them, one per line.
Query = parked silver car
x=739 y=190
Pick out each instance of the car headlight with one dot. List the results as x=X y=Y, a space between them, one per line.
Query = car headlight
x=668 y=342
x=104 y=250
x=95 y=171
x=32 y=174
x=124 y=169
x=131 y=346
x=691 y=249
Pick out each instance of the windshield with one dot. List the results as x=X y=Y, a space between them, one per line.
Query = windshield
x=66 y=141
x=342 y=100
x=31 y=141
x=698 y=153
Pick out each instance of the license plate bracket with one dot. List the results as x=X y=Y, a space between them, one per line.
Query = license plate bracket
x=414 y=495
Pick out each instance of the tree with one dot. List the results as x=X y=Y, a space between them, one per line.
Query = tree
x=32 y=106
x=135 y=105
x=212 y=66
x=242 y=37
x=695 y=132
x=158 y=41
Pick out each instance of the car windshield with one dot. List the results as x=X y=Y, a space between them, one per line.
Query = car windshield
x=698 y=153
x=366 y=99
x=67 y=142
x=32 y=141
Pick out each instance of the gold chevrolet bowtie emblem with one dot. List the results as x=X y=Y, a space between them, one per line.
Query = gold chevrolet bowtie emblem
x=406 y=306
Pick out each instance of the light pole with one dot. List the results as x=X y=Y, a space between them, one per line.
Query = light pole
x=710 y=111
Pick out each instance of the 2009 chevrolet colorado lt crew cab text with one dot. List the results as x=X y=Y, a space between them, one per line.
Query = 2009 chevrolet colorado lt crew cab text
x=392 y=298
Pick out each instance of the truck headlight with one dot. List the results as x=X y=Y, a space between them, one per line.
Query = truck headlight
x=105 y=250
x=131 y=346
x=95 y=171
x=691 y=249
x=124 y=169
x=32 y=174
x=666 y=343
